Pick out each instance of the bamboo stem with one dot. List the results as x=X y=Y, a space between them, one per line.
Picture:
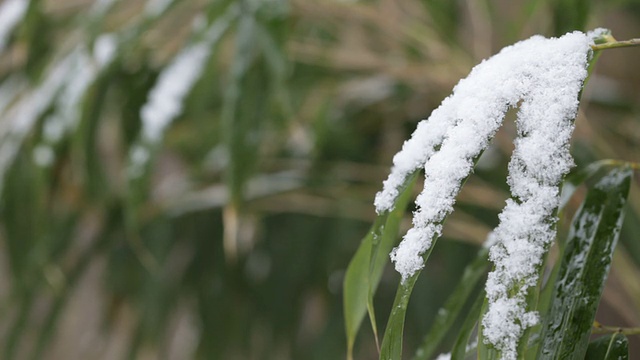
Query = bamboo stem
x=616 y=44
x=604 y=329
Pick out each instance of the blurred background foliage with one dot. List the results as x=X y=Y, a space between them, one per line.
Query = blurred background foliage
x=189 y=179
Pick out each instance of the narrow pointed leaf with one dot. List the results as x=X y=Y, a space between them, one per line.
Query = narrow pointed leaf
x=454 y=305
x=460 y=347
x=585 y=265
x=365 y=269
x=581 y=175
x=392 y=341
x=485 y=351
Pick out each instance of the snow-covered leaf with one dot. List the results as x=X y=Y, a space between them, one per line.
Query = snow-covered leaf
x=454 y=305
x=366 y=267
x=585 y=266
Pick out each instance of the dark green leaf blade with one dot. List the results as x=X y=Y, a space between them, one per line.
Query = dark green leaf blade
x=611 y=347
x=356 y=289
x=581 y=175
x=392 y=341
x=594 y=234
x=460 y=347
x=454 y=305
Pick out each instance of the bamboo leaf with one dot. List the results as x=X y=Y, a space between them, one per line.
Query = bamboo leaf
x=485 y=352
x=460 y=348
x=382 y=242
x=594 y=234
x=569 y=15
x=366 y=268
x=356 y=290
x=611 y=347
x=581 y=175
x=392 y=341
x=236 y=127
x=87 y=137
x=454 y=305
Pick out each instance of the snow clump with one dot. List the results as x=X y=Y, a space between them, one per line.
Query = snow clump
x=544 y=78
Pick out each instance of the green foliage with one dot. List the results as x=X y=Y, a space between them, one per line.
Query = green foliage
x=614 y=346
x=570 y=15
x=233 y=239
x=368 y=264
x=585 y=265
x=453 y=309
x=568 y=311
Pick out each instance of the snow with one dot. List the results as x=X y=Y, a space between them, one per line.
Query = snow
x=86 y=68
x=544 y=77
x=9 y=90
x=25 y=111
x=11 y=13
x=101 y=7
x=156 y=7
x=539 y=162
x=43 y=155
x=104 y=49
x=175 y=82
x=166 y=99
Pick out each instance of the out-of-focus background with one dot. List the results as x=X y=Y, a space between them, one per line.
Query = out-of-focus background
x=189 y=179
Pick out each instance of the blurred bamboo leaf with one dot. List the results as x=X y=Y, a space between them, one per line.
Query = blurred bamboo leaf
x=570 y=15
x=166 y=99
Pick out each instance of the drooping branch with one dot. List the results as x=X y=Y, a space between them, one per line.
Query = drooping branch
x=547 y=76
x=616 y=44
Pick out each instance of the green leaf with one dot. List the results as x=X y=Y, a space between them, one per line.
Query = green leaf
x=581 y=175
x=242 y=107
x=392 y=341
x=454 y=305
x=585 y=265
x=445 y=15
x=460 y=348
x=356 y=289
x=569 y=15
x=485 y=352
x=365 y=269
x=88 y=134
x=611 y=347
x=279 y=69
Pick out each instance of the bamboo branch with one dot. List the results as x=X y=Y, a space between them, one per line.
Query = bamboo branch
x=604 y=329
x=616 y=44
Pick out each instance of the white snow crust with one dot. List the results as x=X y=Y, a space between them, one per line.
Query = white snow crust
x=176 y=81
x=543 y=77
x=11 y=13
x=155 y=8
x=165 y=101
